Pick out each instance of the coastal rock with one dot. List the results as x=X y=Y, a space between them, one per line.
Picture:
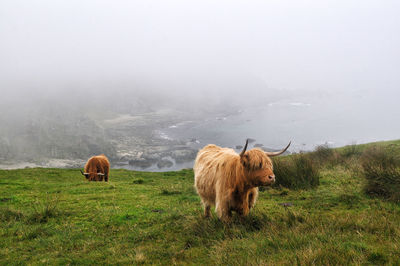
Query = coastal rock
x=142 y=163
x=185 y=155
x=192 y=141
x=164 y=163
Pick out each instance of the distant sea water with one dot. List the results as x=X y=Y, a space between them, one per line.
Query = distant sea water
x=335 y=120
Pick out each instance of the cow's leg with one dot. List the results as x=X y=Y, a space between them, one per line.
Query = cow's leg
x=223 y=211
x=253 y=195
x=207 y=212
x=222 y=205
x=106 y=173
x=206 y=207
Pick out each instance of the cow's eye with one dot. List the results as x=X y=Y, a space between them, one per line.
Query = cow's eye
x=260 y=165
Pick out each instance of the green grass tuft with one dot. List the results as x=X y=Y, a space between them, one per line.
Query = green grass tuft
x=43 y=211
x=297 y=171
x=382 y=172
x=8 y=215
x=168 y=193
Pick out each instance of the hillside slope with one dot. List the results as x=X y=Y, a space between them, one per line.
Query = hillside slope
x=54 y=216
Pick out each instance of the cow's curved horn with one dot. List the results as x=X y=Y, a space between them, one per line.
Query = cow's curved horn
x=276 y=153
x=100 y=174
x=244 y=149
x=85 y=174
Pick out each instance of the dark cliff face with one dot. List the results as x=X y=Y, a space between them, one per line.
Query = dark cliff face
x=54 y=138
x=50 y=130
x=77 y=131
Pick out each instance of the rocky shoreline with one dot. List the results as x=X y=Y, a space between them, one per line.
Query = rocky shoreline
x=135 y=142
x=155 y=158
x=164 y=160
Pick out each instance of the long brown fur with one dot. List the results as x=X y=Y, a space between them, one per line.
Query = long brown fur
x=97 y=164
x=229 y=181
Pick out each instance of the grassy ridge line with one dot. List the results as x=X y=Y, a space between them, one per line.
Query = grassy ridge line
x=52 y=216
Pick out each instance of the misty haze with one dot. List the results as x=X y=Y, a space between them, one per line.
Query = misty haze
x=149 y=83
x=109 y=110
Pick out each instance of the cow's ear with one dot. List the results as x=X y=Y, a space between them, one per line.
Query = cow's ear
x=244 y=156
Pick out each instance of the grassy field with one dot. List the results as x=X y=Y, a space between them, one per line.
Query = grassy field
x=54 y=216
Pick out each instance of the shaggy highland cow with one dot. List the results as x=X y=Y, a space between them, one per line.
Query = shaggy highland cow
x=97 y=168
x=229 y=180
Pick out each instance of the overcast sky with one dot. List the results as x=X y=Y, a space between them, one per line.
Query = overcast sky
x=296 y=45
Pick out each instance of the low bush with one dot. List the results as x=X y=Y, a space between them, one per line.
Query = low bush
x=352 y=150
x=347 y=156
x=382 y=172
x=323 y=153
x=324 y=156
x=298 y=171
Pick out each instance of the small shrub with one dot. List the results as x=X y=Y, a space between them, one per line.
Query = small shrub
x=297 y=171
x=42 y=212
x=167 y=192
x=138 y=181
x=351 y=151
x=324 y=155
x=382 y=172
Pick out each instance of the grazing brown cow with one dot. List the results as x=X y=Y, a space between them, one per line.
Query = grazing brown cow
x=229 y=180
x=97 y=168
